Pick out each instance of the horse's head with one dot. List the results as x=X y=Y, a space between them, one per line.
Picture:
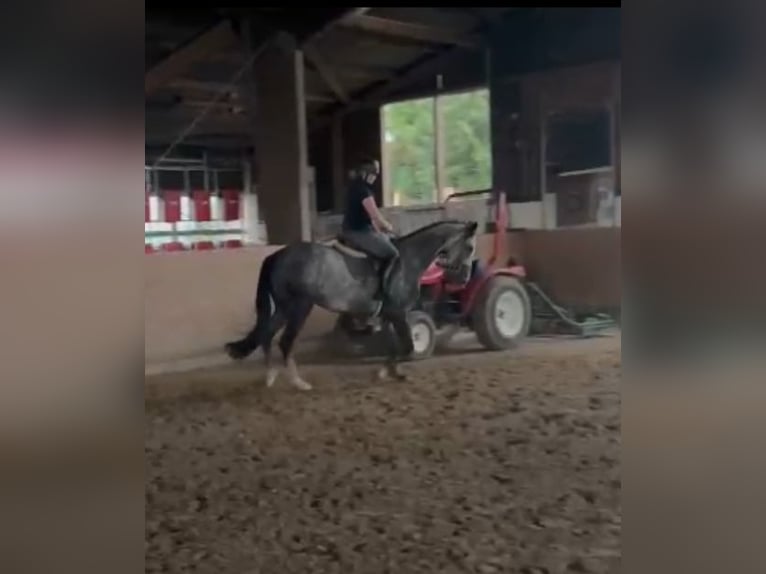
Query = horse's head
x=457 y=254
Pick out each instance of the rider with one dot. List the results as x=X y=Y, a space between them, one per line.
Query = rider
x=364 y=226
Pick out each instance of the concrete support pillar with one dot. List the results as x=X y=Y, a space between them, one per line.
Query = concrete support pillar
x=281 y=142
x=251 y=225
x=338 y=164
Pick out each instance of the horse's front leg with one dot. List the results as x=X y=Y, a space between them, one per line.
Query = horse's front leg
x=400 y=345
x=406 y=345
x=392 y=349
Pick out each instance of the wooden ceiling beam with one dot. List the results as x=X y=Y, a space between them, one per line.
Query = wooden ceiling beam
x=213 y=39
x=363 y=73
x=200 y=85
x=234 y=95
x=409 y=31
x=168 y=129
x=431 y=64
x=325 y=72
x=235 y=108
x=342 y=16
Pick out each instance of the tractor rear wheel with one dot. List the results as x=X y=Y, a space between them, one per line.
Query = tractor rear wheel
x=503 y=313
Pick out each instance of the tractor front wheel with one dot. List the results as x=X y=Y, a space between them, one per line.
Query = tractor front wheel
x=423 y=331
x=503 y=313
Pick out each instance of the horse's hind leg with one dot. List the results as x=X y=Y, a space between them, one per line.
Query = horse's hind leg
x=296 y=314
x=277 y=322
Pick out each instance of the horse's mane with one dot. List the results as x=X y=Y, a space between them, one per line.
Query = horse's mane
x=431 y=226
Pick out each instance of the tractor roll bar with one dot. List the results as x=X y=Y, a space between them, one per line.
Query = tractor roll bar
x=459 y=194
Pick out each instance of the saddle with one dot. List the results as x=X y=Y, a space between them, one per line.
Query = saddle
x=339 y=244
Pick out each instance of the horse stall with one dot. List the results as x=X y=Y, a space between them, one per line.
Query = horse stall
x=478 y=461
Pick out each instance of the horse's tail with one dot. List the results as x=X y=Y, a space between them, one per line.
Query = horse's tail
x=247 y=345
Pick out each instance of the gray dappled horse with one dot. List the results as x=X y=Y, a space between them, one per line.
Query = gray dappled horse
x=304 y=274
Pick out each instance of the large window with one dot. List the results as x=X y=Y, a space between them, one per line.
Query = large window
x=408 y=152
x=436 y=146
x=468 y=150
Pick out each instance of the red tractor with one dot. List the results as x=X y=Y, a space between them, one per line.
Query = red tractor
x=493 y=303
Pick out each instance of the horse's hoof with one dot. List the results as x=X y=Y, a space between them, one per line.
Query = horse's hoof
x=234 y=351
x=271 y=377
x=302 y=385
x=397 y=373
x=386 y=373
